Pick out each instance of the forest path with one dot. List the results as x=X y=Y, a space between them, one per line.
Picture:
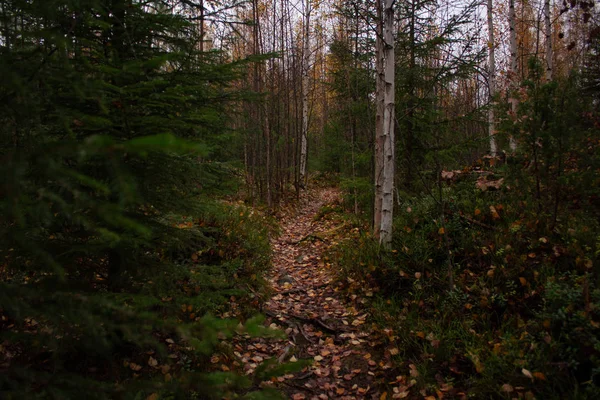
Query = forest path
x=322 y=324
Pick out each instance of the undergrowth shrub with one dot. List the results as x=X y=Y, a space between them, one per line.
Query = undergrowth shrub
x=523 y=313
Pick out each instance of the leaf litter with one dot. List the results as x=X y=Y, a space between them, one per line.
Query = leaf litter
x=321 y=323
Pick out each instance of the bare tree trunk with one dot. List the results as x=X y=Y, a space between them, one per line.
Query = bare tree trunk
x=513 y=66
x=491 y=79
x=384 y=143
x=379 y=104
x=305 y=65
x=549 y=53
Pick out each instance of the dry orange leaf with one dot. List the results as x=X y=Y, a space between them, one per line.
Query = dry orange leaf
x=540 y=376
x=523 y=281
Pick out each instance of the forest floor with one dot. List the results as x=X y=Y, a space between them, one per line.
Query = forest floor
x=323 y=321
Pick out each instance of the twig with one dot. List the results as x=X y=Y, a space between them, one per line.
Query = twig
x=313 y=321
x=304 y=375
x=285 y=353
x=481 y=224
x=317 y=322
x=303 y=290
x=310 y=340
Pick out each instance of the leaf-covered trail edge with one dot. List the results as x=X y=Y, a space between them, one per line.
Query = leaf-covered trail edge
x=323 y=323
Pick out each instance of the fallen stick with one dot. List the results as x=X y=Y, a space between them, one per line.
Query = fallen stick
x=301 y=290
x=313 y=321
x=481 y=224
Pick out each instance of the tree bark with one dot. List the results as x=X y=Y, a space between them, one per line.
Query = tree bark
x=491 y=79
x=513 y=66
x=548 y=32
x=305 y=66
x=385 y=121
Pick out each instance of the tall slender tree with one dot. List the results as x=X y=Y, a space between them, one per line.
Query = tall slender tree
x=307 y=9
x=491 y=78
x=548 y=34
x=513 y=66
x=385 y=122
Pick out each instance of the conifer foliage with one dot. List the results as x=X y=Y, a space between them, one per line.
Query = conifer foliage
x=111 y=137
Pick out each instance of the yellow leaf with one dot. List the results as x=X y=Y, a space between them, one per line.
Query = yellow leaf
x=421 y=335
x=383 y=396
x=441 y=231
x=494 y=212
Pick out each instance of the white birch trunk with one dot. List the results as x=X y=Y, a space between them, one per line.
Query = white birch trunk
x=491 y=79
x=305 y=66
x=513 y=66
x=379 y=103
x=385 y=168
x=549 y=53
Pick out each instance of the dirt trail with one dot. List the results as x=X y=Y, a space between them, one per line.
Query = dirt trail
x=321 y=323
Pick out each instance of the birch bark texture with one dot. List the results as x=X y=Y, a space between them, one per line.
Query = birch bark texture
x=305 y=82
x=491 y=79
x=513 y=66
x=385 y=121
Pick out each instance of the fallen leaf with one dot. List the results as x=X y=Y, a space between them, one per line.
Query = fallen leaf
x=523 y=281
x=507 y=388
x=527 y=373
x=135 y=367
x=540 y=376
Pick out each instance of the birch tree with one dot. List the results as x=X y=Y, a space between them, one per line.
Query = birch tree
x=513 y=65
x=548 y=33
x=305 y=88
x=491 y=78
x=384 y=141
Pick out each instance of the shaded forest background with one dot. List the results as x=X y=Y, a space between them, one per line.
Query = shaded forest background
x=147 y=145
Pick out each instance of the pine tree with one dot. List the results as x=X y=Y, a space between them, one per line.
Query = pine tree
x=113 y=141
